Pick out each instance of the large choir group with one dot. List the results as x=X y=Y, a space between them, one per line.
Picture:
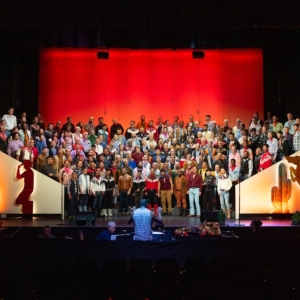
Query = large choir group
x=188 y=165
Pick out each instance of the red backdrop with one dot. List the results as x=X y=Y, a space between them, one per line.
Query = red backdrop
x=226 y=84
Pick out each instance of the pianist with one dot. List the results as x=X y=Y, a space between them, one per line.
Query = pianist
x=106 y=234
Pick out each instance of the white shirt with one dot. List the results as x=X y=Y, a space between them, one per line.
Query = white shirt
x=10 y=121
x=97 y=185
x=28 y=153
x=256 y=126
x=99 y=149
x=149 y=143
x=84 y=183
x=273 y=146
x=224 y=183
x=22 y=135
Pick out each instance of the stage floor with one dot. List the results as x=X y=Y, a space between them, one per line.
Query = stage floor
x=169 y=221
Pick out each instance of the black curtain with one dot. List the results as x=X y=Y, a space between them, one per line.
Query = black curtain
x=272 y=25
x=150 y=14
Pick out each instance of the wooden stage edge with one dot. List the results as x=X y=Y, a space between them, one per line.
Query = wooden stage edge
x=169 y=221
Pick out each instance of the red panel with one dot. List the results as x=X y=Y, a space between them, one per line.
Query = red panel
x=226 y=84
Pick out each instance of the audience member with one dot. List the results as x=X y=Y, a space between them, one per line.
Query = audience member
x=46 y=233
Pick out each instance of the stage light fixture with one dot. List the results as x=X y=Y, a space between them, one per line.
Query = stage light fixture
x=103 y=55
x=198 y=54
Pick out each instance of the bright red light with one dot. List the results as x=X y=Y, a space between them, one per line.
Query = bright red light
x=226 y=84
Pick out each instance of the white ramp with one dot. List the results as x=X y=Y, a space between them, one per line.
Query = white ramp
x=46 y=195
x=275 y=190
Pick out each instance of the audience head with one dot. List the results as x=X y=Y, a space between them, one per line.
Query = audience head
x=46 y=231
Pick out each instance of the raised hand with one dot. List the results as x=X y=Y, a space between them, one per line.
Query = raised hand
x=281 y=194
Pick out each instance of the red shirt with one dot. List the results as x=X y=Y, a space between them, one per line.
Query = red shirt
x=77 y=145
x=35 y=152
x=165 y=183
x=265 y=161
x=195 y=181
x=151 y=184
x=181 y=162
x=137 y=157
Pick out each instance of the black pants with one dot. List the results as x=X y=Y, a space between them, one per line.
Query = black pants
x=72 y=204
x=217 y=199
x=152 y=199
x=108 y=200
x=138 y=196
x=124 y=198
x=208 y=199
x=232 y=194
x=66 y=201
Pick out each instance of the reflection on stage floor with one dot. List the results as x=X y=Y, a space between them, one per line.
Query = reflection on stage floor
x=169 y=221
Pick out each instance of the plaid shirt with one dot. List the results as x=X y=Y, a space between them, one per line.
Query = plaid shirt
x=296 y=142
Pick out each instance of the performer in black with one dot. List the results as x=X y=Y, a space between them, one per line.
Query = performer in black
x=110 y=191
x=72 y=191
x=138 y=188
x=209 y=185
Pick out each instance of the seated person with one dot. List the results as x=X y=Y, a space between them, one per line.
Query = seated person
x=256 y=228
x=106 y=234
x=46 y=233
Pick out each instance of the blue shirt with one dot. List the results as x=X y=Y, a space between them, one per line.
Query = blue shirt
x=142 y=224
x=104 y=236
x=132 y=164
x=234 y=175
x=40 y=145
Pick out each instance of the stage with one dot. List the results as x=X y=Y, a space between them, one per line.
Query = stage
x=273 y=227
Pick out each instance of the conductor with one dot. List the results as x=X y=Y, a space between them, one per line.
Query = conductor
x=143 y=218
